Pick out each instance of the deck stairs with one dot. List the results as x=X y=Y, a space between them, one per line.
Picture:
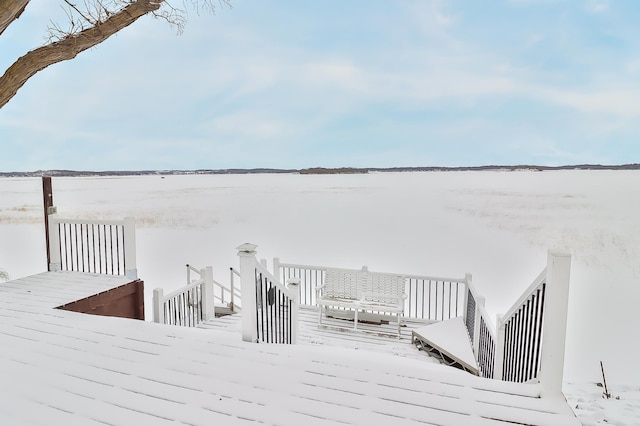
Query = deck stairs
x=449 y=342
x=224 y=310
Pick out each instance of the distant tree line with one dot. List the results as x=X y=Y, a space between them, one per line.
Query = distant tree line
x=316 y=170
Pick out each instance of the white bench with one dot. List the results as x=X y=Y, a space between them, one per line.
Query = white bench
x=362 y=291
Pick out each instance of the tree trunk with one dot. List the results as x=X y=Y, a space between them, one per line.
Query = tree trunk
x=68 y=48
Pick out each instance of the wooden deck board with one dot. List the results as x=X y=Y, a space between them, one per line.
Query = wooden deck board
x=101 y=370
x=339 y=333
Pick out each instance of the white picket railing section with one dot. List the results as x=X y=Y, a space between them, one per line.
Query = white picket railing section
x=227 y=295
x=189 y=305
x=428 y=298
x=99 y=247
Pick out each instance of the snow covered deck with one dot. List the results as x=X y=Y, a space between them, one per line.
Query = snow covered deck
x=338 y=333
x=62 y=367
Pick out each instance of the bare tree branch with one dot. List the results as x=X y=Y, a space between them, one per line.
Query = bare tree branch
x=69 y=47
x=10 y=10
x=88 y=26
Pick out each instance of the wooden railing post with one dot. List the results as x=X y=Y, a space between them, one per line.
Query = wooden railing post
x=554 y=328
x=248 y=261
x=47 y=195
x=206 y=290
x=130 y=248
x=294 y=287
x=55 y=262
x=158 y=305
x=232 y=289
x=498 y=360
x=276 y=269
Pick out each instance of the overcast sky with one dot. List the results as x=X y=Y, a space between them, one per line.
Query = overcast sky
x=293 y=84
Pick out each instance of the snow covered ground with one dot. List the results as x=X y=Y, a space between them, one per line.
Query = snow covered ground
x=495 y=225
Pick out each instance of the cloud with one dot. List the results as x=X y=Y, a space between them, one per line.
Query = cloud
x=598 y=6
x=399 y=79
x=620 y=103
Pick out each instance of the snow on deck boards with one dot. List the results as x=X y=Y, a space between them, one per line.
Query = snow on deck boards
x=53 y=289
x=60 y=367
x=340 y=333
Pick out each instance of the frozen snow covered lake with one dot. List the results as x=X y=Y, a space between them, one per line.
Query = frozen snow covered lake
x=494 y=225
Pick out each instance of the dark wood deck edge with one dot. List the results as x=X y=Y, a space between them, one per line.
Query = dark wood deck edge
x=125 y=301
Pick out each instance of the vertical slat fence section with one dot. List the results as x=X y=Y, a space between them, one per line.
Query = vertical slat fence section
x=521 y=335
x=486 y=349
x=434 y=299
x=273 y=310
x=99 y=247
x=187 y=306
x=311 y=277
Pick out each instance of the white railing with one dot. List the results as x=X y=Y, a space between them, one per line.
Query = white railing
x=189 y=305
x=428 y=298
x=228 y=296
x=480 y=329
x=520 y=332
x=100 y=247
x=528 y=344
x=235 y=296
x=270 y=312
x=531 y=336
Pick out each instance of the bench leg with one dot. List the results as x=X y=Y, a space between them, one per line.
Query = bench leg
x=355 y=320
x=399 y=327
x=320 y=317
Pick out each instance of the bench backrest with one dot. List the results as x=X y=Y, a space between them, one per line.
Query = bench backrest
x=375 y=287
x=385 y=288
x=343 y=284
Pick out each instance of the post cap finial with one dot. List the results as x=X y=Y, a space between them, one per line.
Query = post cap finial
x=293 y=281
x=247 y=248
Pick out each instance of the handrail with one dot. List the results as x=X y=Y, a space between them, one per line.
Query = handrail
x=77 y=221
x=520 y=334
x=413 y=276
x=276 y=308
x=481 y=330
x=537 y=283
x=275 y=281
x=232 y=290
x=188 y=305
x=184 y=289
